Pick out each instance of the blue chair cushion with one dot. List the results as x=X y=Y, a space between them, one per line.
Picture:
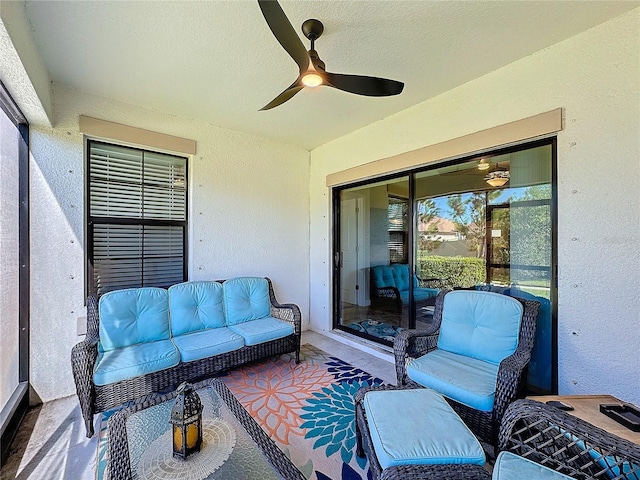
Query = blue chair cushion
x=480 y=325
x=383 y=276
x=262 y=330
x=401 y=276
x=196 y=306
x=246 y=299
x=510 y=466
x=134 y=361
x=132 y=316
x=464 y=379
x=418 y=426
x=207 y=343
x=419 y=294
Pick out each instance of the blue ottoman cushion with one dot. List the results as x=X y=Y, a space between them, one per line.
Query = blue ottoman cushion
x=418 y=427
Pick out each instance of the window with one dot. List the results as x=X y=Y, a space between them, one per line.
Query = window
x=137 y=218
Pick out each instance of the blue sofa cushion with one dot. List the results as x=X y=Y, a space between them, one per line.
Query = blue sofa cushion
x=383 y=276
x=133 y=316
x=262 y=330
x=480 y=325
x=196 y=306
x=465 y=379
x=135 y=360
x=417 y=426
x=510 y=466
x=207 y=343
x=246 y=299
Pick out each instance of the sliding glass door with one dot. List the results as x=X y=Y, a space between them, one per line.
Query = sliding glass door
x=482 y=222
x=373 y=241
x=14 y=270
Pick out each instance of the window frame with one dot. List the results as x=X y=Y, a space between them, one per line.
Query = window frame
x=91 y=221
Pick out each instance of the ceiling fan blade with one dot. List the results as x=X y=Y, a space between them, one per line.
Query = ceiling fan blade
x=361 y=85
x=294 y=88
x=284 y=32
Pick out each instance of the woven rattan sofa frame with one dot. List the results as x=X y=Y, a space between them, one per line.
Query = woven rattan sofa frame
x=557 y=439
x=119 y=465
x=99 y=398
x=410 y=344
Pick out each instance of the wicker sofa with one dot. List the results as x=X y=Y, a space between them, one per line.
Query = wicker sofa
x=146 y=340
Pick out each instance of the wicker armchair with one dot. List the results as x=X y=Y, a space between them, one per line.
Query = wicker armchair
x=567 y=444
x=412 y=344
x=99 y=398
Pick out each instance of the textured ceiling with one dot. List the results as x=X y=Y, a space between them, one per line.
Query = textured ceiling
x=217 y=61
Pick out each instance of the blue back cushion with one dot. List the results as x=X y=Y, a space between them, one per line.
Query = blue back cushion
x=132 y=316
x=383 y=276
x=401 y=276
x=196 y=306
x=246 y=299
x=480 y=325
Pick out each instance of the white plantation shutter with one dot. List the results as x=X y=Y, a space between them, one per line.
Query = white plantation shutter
x=137 y=217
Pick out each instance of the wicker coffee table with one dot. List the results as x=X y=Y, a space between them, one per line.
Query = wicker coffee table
x=234 y=445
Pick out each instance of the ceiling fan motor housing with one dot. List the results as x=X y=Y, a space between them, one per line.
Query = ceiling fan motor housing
x=312 y=29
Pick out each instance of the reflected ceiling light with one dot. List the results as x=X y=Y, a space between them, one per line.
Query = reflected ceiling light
x=483 y=165
x=497 y=178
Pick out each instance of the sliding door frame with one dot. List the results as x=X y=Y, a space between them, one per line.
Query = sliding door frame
x=411 y=173
x=13 y=412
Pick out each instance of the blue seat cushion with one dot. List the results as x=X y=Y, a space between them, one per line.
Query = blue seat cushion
x=207 y=343
x=464 y=379
x=262 y=330
x=510 y=466
x=419 y=294
x=482 y=325
x=246 y=299
x=134 y=361
x=418 y=426
x=132 y=316
x=196 y=306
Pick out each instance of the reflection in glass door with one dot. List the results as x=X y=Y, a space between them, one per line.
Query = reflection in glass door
x=371 y=259
x=476 y=223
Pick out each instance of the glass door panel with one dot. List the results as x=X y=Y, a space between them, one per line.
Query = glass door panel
x=478 y=223
x=371 y=259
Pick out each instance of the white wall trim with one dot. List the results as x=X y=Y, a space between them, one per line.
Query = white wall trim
x=137 y=136
x=513 y=132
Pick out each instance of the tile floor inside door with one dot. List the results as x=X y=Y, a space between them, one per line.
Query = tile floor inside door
x=52 y=444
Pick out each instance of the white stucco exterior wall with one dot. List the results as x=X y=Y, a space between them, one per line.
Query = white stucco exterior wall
x=595 y=78
x=249 y=215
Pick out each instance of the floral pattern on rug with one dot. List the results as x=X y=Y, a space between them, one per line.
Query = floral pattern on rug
x=307 y=409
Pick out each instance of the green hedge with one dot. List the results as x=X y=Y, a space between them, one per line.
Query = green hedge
x=453 y=271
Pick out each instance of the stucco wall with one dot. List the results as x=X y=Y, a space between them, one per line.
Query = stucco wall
x=249 y=204
x=595 y=78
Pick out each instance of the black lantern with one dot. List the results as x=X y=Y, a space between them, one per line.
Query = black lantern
x=186 y=418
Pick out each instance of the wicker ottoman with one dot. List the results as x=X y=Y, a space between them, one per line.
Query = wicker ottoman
x=411 y=433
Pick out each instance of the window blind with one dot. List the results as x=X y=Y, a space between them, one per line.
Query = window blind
x=137 y=217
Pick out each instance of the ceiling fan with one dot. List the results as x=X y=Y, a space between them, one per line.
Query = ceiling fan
x=312 y=69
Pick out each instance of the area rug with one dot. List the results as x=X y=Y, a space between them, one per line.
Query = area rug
x=377 y=329
x=306 y=408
